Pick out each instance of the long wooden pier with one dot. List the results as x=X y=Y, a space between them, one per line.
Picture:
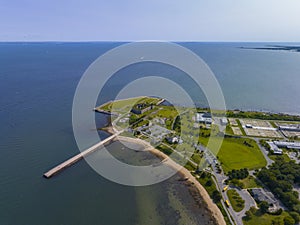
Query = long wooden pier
x=79 y=156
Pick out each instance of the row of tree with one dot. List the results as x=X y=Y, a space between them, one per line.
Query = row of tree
x=263 y=116
x=238 y=174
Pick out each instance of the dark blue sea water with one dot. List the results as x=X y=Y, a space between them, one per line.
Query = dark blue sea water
x=37 y=84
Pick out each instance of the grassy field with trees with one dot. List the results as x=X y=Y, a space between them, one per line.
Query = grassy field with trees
x=250 y=182
x=256 y=216
x=239 y=153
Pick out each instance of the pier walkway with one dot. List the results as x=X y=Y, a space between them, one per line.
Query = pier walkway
x=79 y=156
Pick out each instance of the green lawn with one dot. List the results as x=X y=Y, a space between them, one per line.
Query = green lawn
x=265 y=219
x=241 y=127
x=250 y=182
x=165 y=149
x=196 y=157
x=124 y=105
x=234 y=154
x=118 y=104
x=273 y=124
x=285 y=157
x=167 y=112
x=229 y=130
x=189 y=166
x=236 y=200
x=140 y=123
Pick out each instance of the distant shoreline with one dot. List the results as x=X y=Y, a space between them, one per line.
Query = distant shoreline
x=275 y=48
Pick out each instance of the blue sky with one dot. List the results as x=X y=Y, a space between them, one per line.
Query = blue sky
x=181 y=20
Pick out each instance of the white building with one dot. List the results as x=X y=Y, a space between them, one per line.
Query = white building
x=275 y=148
x=223 y=121
x=287 y=144
x=203 y=118
x=172 y=140
x=290 y=128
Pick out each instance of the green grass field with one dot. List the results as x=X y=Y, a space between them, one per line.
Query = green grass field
x=234 y=154
x=241 y=127
x=229 y=130
x=250 y=182
x=285 y=157
x=118 y=104
x=167 y=112
x=265 y=219
x=236 y=201
x=124 y=105
x=196 y=157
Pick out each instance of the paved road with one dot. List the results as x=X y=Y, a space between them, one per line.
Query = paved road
x=237 y=219
x=229 y=214
x=249 y=202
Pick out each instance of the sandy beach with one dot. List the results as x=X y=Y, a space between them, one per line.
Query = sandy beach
x=211 y=206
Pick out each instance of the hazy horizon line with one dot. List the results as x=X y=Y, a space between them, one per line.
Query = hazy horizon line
x=130 y=41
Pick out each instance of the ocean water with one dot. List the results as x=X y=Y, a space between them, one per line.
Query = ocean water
x=37 y=83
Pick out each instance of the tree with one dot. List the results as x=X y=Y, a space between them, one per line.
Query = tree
x=248 y=215
x=276 y=221
x=216 y=196
x=295 y=216
x=238 y=174
x=264 y=206
x=208 y=183
x=280 y=178
x=237 y=183
x=296 y=208
x=203 y=175
x=288 y=220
